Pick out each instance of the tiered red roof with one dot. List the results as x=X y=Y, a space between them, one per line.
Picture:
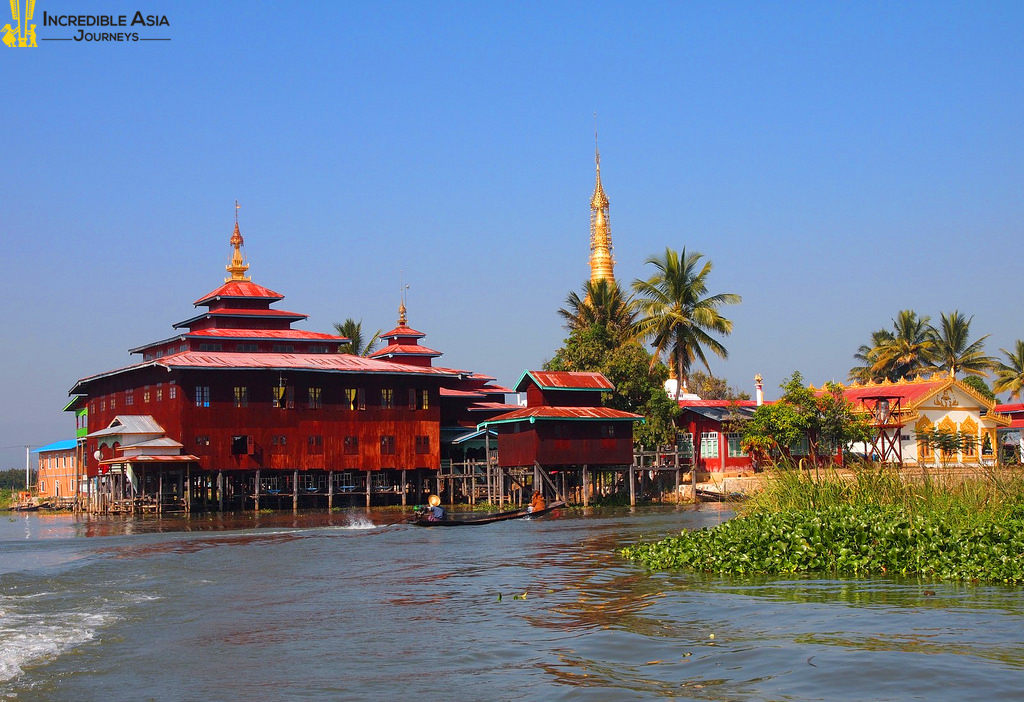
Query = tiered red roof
x=239 y=289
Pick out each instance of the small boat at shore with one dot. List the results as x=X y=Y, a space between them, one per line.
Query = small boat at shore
x=522 y=513
x=709 y=495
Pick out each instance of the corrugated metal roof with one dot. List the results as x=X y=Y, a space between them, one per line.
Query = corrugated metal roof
x=1017 y=423
x=162 y=442
x=533 y=414
x=130 y=424
x=472 y=435
x=322 y=362
x=405 y=350
x=238 y=288
x=63 y=445
x=186 y=458
x=403 y=331
x=1011 y=408
x=231 y=312
x=449 y=392
x=275 y=334
x=565 y=380
x=684 y=404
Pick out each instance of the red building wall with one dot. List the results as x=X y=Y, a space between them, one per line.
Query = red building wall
x=565 y=443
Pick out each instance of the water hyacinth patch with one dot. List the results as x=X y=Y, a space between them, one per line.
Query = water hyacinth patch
x=850 y=540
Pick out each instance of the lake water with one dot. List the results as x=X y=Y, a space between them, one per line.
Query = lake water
x=353 y=606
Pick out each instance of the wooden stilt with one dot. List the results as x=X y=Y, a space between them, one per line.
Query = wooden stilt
x=256 y=492
x=404 y=489
x=632 y=486
x=295 y=490
x=220 y=491
x=330 y=490
x=586 y=497
x=160 y=491
x=369 y=488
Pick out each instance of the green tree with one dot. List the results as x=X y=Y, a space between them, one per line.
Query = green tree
x=867 y=355
x=825 y=417
x=953 y=351
x=1010 y=375
x=980 y=385
x=602 y=304
x=639 y=385
x=353 y=330
x=679 y=318
x=708 y=387
x=906 y=351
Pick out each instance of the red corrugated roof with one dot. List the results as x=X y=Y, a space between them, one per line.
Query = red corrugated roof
x=323 y=362
x=493 y=389
x=403 y=331
x=1011 y=408
x=277 y=334
x=717 y=403
x=526 y=414
x=404 y=350
x=231 y=312
x=565 y=380
x=1017 y=423
x=449 y=392
x=490 y=406
x=237 y=288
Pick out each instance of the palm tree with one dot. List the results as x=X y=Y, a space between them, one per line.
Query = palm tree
x=602 y=303
x=909 y=349
x=353 y=331
x=679 y=317
x=867 y=355
x=952 y=351
x=1010 y=376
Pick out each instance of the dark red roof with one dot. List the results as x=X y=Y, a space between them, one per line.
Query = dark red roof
x=241 y=289
x=1011 y=408
x=565 y=380
x=532 y=414
x=1017 y=423
x=449 y=392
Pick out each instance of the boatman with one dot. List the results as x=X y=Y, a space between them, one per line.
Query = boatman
x=435 y=513
x=537 y=502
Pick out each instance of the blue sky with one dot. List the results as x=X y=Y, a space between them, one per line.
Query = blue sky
x=837 y=162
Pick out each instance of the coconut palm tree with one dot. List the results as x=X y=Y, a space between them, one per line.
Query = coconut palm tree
x=1010 y=375
x=952 y=349
x=908 y=351
x=867 y=355
x=679 y=317
x=602 y=303
x=353 y=330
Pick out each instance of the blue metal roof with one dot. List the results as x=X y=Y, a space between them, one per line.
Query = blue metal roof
x=65 y=445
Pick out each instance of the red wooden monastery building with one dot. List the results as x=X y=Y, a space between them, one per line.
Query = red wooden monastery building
x=239 y=406
x=564 y=428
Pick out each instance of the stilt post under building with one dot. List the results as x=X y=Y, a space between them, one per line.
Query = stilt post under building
x=256 y=492
x=330 y=490
x=585 y=486
x=632 y=486
x=404 y=488
x=295 y=490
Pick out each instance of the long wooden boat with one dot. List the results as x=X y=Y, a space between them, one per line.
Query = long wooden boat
x=521 y=513
x=706 y=495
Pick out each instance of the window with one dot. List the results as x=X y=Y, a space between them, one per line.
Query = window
x=103 y=405
x=247 y=347
x=209 y=347
x=351 y=445
x=318 y=348
x=315 y=443
x=799 y=447
x=607 y=431
x=279 y=440
x=387 y=398
x=709 y=444
x=283 y=396
x=202 y=396
x=241 y=396
x=355 y=398
x=736 y=445
x=159 y=353
x=241 y=445
x=315 y=395
x=172 y=391
x=145 y=395
x=422 y=444
x=183 y=348
x=284 y=348
x=202 y=441
x=129 y=398
x=684 y=443
x=418 y=399
x=159 y=392
x=387 y=445
x=113 y=402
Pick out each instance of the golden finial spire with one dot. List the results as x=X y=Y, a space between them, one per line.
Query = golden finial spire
x=402 y=320
x=238 y=265
x=602 y=265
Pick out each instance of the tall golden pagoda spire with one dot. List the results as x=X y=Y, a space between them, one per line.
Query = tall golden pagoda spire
x=602 y=265
x=238 y=265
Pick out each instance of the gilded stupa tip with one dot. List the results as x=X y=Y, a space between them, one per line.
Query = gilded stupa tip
x=402 y=319
x=599 y=201
x=238 y=266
